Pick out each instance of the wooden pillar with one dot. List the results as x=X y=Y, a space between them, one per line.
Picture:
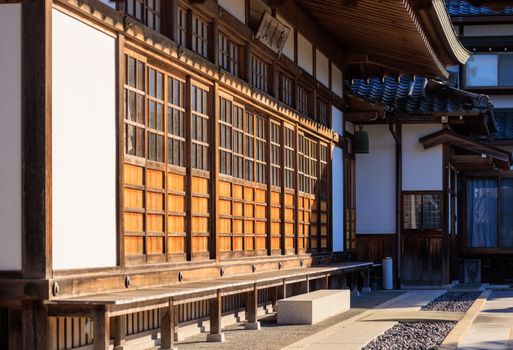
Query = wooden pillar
x=366 y=280
x=251 y=310
x=282 y=290
x=215 y=308
x=118 y=331
x=34 y=325
x=326 y=282
x=274 y=298
x=101 y=330
x=167 y=327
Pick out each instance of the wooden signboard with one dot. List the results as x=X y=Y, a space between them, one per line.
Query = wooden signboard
x=272 y=33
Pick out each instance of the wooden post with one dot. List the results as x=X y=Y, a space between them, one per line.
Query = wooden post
x=215 y=307
x=251 y=310
x=101 y=330
x=34 y=323
x=366 y=280
x=118 y=331
x=274 y=298
x=167 y=328
x=326 y=282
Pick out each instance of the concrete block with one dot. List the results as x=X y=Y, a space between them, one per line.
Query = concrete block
x=215 y=338
x=252 y=326
x=313 y=307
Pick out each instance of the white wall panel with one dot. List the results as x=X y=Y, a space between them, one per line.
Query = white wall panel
x=83 y=145
x=235 y=7
x=336 y=81
x=488 y=30
x=337 y=121
x=10 y=136
x=305 y=54
x=375 y=183
x=422 y=168
x=322 y=68
x=337 y=173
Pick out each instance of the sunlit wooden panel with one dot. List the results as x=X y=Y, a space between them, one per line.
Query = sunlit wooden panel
x=260 y=242
x=225 y=225
x=237 y=209
x=199 y=244
x=260 y=196
x=154 y=201
x=224 y=189
x=134 y=245
x=155 y=245
x=275 y=243
x=133 y=198
x=289 y=214
x=176 y=244
x=238 y=226
x=306 y=217
x=224 y=207
x=175 y=182
x=134 y=175
x=289 y=199
x=314 y=204
x=249 y=210
x=260 y=227
x=199 y=224
x=275 y=198
x=237 y=243
x=154 y=179
x=175 y=203
x=249 y=194
x=249 y=226
x=237 y=192
x=155 y=223
x=249 y=242
x=260 y=211
x=176 y=224
x=275 y=228
x=134 y=222
x=199 y=185
x=275 y=213
x=200 y=205
x=289 y=228
x=225 y=243
x=289 y=243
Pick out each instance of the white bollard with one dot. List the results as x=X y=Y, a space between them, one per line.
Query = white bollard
x=388 y=273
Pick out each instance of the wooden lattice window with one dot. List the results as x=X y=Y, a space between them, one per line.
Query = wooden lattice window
x=259 y=74
x=249 y=146
x=155 y=115
x=260 y=146
x=199 y=36
x=303 y=164
x=303 y=97
x=322 y=112
x=313 y=166
x=145 y=11
x=290 y=146
x=176 y=121
x=199 y=128
x=228 y=53
x=238 y=142
x=182 y=27
x=135 y=116
x=225 y=136
x=275 y=154
x=323 y=183
x=286 y=90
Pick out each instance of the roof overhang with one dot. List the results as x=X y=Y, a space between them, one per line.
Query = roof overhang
x=410 y=36
x=502 y=159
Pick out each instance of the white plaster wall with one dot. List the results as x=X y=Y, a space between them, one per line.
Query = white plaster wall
x=336 y=81
x=337 y=121
x=111 y=3
x=304 y=54
x=235 y=7
x=422 y=168
x=337 y=172
x=83 y=146
x=502 y=101
x=10 y=137
x=488 y=30
x=322 y=68
x=288 y=49
x=375 y=183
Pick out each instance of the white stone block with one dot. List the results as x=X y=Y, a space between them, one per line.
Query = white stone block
x=313 y=307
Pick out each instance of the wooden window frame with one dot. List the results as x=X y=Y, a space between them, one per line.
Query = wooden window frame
x=229 y=54
x=286 y=88
x=155 y=12
x=422 y=229
x=260 y=77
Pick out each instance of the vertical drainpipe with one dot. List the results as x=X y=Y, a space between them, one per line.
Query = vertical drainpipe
x=397 y=134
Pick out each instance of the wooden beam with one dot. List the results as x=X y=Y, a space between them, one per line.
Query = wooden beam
x=215 y=309
x=36 y=139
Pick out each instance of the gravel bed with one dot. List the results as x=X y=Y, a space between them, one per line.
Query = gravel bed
x=424 y=335
x=452 y=301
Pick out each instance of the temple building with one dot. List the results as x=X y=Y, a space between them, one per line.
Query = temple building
x=169 y=166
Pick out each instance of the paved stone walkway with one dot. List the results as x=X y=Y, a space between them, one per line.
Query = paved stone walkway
x=493 y=327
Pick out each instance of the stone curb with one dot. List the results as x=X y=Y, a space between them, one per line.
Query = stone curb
x=453 y=339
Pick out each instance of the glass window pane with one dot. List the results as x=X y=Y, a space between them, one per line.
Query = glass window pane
x=507 y=213
x=482 y=213
x=506 y=70
x=481 y=70
x=431 y=207
x=412 y=209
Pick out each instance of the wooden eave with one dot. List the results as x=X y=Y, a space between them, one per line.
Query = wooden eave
x=392 y=33
x=473 y=162
x=502 y=158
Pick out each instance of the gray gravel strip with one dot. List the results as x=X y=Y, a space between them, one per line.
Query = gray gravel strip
x=425 y=335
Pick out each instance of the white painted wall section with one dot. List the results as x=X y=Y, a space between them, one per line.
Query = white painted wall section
x=288 y=49
x=322 y=68
x=375 y=183
x=83 y=145
x=488 y=30
x=236 y=8
x=304 y=54
x=422 y=168
x=336 y=81
x=337 y=173
x=10 y=137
